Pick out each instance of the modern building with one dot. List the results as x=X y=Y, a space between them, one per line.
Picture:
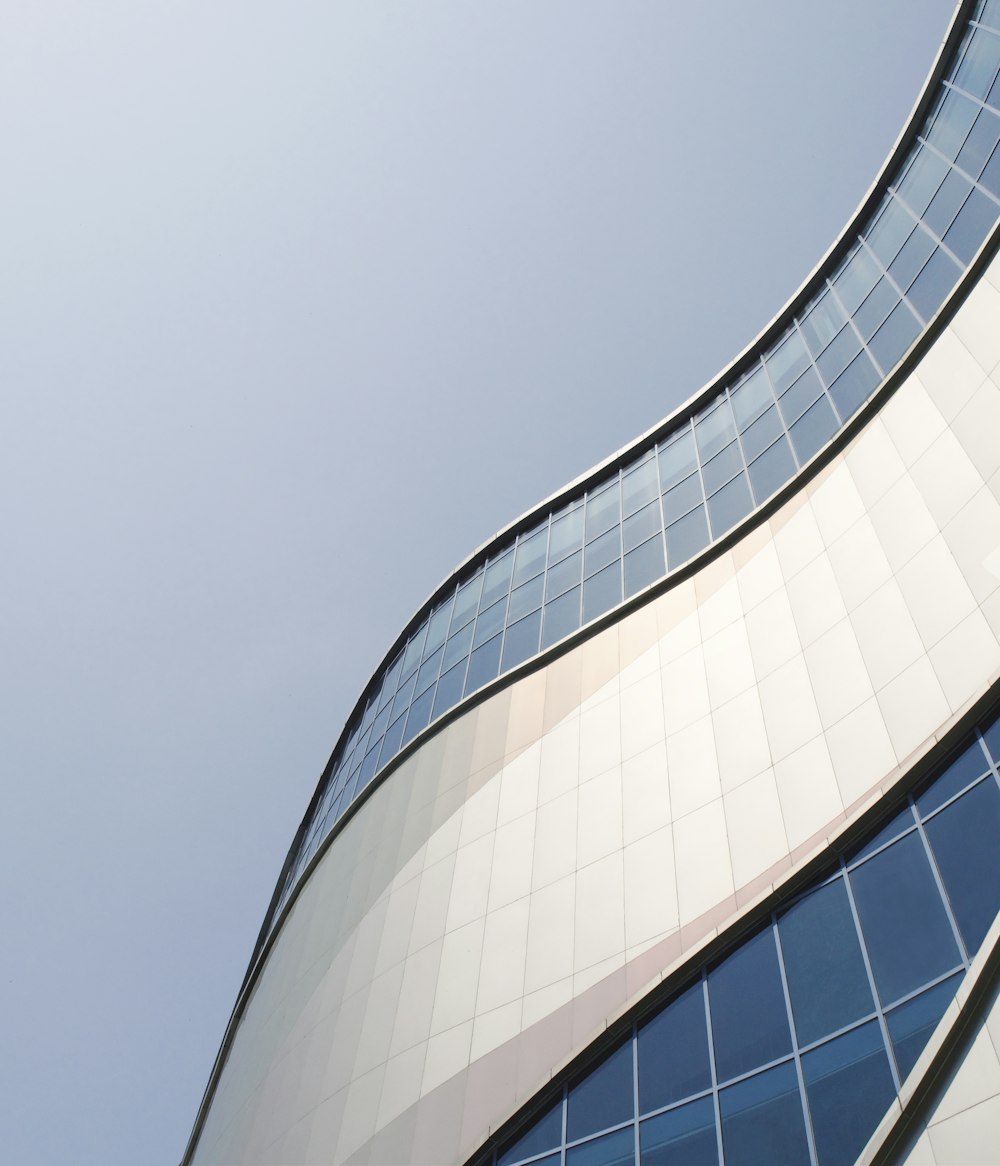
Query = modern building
x=669 y=830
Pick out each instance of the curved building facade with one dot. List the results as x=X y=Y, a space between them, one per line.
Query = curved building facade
x=668 y=831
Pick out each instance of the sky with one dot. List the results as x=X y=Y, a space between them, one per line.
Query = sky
x=299 y=303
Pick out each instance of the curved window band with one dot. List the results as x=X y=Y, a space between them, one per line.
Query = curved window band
x=795 y=1042
x=693 y=485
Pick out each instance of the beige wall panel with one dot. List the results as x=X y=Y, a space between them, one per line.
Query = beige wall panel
x=555 y=850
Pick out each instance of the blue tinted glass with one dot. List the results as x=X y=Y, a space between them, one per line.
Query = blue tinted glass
x=642 y=525
x=602 y=591
x=906 y=929
x=974 y=222
x=484 y=664
x=951 y=124
x=890 y=232
x=911 y=258
x=603 y=511
x=714 y=430
x=682 y=1137
x=838 y=355
x=566 y=535
x=604 y=1097
x=673 y=1052
x=544 y=1134
x=827 y=981
x=961 y=771
x=964 y=840
x=640 y=486
x=605 y=549
x=978 y=69
x=449 y=689
x=824 y=321
x=762 y=1120
x=402 y=699
x=928 y=291
x=800 y=396
x=419 y=715
x=893 y=339
x=496 y=580
x=751 y=398
x=644 y=565
x=686 y=537
x=521 y=640
x=617 y=1149
x=529 y=558
x=787 y=361
x=749 y=1020
x=849 y=1086
x=946 y=203
x=677 y=460
x=922 y=179
x=729 y=505
x=437 y=627
x=467 y=601
x=411 y=656
x=683 y=498
x=980 y=143
x=857 y=278
x=991 y=734
x=428 y=672
x=563 y=575
x=527 y=597
x=458 y=646
x=490 y=622
x=898 y=824
x=762 y=433
x=854 y=385
x=988 y=12
x=390 y=742
x=722 y=468
x=772 y=469
x=911 y=1024
x=812 y=431
x=879 y=304
x=561 y=617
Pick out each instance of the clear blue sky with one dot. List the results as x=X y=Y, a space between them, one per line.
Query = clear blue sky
x=300 y=302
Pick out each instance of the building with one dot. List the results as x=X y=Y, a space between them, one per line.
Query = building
x=669 y=825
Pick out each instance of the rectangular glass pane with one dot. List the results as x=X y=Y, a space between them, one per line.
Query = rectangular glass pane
x=980 y=143
x=893 y=340
x=458 y=646
x=762 y=433
x=762 y=1122
x=467 y=601
x=642 y=525
x=449 y=689
x=911 y=1024
x=877 y=306
x=602 y=551
x=951 y=124
x=787 y=361
x=856 y=279
x=602 y=591
x=854 y=385
x=922 y=179
x=965 y=768
x=521 y=640
x=686 y=537
x=974 y=222
x=644 y=565
x=437 y=627
x=722 y=468
x=823 y=321
x=428 y=672
x=544 y=1134
x=771 y=470
x=978 y=69
x=682 y=498
x=484 y=665
x=839 y=354
x=604 y=1097
x=604 y=510
x=946 y=203
x=891 y=231
x=496 y=580
x=677 y=460
x=911 y=258
x=665 y=1077
x=419 y=715
x=566 y=536
x=489 y=623
x=796 y=400
x=563 y=575
x=529 y=557
x=640 y=486
x=729 y=505
x=617 y=1149
x=714 y=430
x=525 y=598
x=682 y=1137
x=812 y=431
x=751 y=398
x=561 y=617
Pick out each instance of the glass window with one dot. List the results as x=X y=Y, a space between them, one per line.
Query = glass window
x=489 y=623
x=762 y=433
x=437 y=627
x=823 y=321
x=617 y=1149
x=722 y=468
x=682 y=1137
x=771 y=470
x=991 y=735
x=563 y=575
x=419 y=715
x=602 y=591
x=604 y=1097
x=411 y=657
x=714 y=429
x=682 y=498
x=911 y=258
x=854 y=385
x=566 y=536
x=496 y=581
x=544 y=1134
x=752 y=397
x=897 y=825
x=946 y=203
x=749 y=1019
x=906 y=930
x=787 y=362
x=890 y=231
x=390 y=743
x=877 y=306
x=467 y=601
x=402 y=699
x=951 y=122
x=964 y=841
x=911 y=1024
x=561 y=617
x=428 y=672
x=604 y=510
x=892 y=341
x=686 y=537
x=931 y=287
x=677 y=460
x=980 y=143
x=922 y=179
x=484 y=664
x=978 y=69
x=642 y=525
x=644 y=565
x=796 y=400
x=988 y=12
x=449 y=689
x=458 y=646
x=729 y=505
x=762 y=1121
x=849 y=1075
x=839 y=354
x=529 y=558
x=640 y=486
x=813 y=430
x=827 y=981
x=666 y=1074
x=962 y=771
x=525 y=598
x=521 y=640
x=605 y=549
x=856 y=278
x=974 y=222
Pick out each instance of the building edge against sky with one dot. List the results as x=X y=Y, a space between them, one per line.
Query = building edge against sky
x=568 y=843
